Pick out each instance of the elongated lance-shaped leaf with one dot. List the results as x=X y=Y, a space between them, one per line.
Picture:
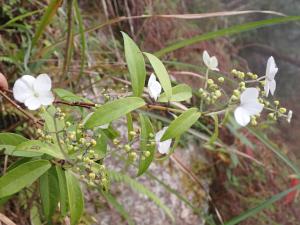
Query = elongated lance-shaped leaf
x=161 y=73
x=46 y=19
x=49 y=192
x=226 y=31
x=63 y=199
x=146 y=130
x=22 y=176
x=11 y=139
x=113 y=110
x=136 y=65
x=251 y=212
x=75 y=198
x=181 y=124
x=180 y=92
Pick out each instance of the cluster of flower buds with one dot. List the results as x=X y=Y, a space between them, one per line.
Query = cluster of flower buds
x=213 y=91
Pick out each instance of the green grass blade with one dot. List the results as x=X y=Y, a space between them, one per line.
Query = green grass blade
x=46 y=19
x=82 y=38
x=226 y=31
x=264 y=139
x=260 y=207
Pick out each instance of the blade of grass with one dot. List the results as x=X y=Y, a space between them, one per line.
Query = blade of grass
x=178 y=16
x=264 y=139
x=226 y=31
x=20 y=17
x=260 y=207
x=46 y=19
x=82 y=38
x=70 y=40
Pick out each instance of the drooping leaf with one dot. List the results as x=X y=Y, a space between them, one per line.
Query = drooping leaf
x=35 y=146
x=146 y=130
x=181 y=124
x=75 y=198
x=136 y=65
x=62 y=190
x=161 y=73
x=113 y=110
x=49 y=192
x=180 y=92
x=22 y=176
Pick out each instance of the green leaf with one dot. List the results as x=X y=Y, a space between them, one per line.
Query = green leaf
x=35 y=146
x=146 y=129
x=260 y=207
x=226 y=31
x=49 y=192
x=75 y=198
x=161 y=73
x=69 y=96
x=46 y=19
x=181 y=124
x=35 y=216
x=117 y=206
x=129 y=126
x=136 y=65
x=11 y=139
x=101 y=146
x=62 y=190
x=113 y=110
x=180 y=92
x=22 y=176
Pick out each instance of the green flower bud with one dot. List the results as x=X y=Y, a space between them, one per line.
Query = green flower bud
x=221 y=79
x=236 y=93
x=282 y=110
x=93 y=142
x=276 y=102
x=92 y=176
x=68 y=124
x=127 y=147
x=132 y=133
x=116 y=141
x=218 y=93
x=147 y=153
x=210 y=81
x=151 y=135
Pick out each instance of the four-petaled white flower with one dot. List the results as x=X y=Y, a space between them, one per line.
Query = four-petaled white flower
x=289 y=116
x=271 y=70
x=33 y=92
x=163 y=147
x=154 y=87
x=210 y=62
x=249 y=106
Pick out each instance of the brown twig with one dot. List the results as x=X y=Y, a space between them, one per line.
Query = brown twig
x=18 y=107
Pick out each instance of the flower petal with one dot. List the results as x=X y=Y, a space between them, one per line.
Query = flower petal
x=214 y=63
x=154 y=87
x=253 y=108
x=32 y=103
x=241 y=116
x=249 y=95
x=23 y=88
x=272 y=85
x=46 y=98
x=163 y=147
x=42 y=83
x=267 y=87
x=271 y=69
x=206 y=58
x=289 y=116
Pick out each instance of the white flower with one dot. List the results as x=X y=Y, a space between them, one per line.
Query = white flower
x=154 y=87
x=210 y=62
x=162 y=146
x=271 y=70
x=249 y=106
x=33 y=92
x=289 y=116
